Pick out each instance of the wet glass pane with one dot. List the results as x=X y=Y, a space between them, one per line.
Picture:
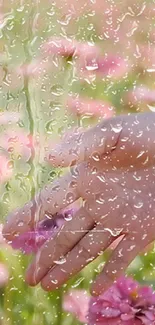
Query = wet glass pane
x=77 y=162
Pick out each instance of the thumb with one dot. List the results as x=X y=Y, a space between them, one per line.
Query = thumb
x=83 y=145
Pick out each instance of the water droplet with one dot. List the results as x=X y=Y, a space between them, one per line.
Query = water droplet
x=118 y=128
x=68 y=216
x=95 y=156
x=138 y=205
x=151 y=108
x=151 y=70
x=100 y=198
x=61 y=261
x=101 y=178
x=140 y=154
x=69 y=197
x=114 y=232
x=20 y=224
x=77 y=283
x=57 y=90
x=54 y=281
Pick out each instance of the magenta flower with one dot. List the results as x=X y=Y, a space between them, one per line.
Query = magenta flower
x=125 y=303
x=31 y=242
x=84 y=106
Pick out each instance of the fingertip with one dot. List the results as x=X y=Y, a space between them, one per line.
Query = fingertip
x=30 y=277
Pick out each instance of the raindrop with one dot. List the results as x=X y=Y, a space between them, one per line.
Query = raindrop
x=117 y=128
x=61 y=261
x=151 y=70
x=57 y=90
x=92 y=67
x=114 y=232
x=138 y=205
x=95 y=156
x=49 y=126
x=101 y=178
x=100 y=199
x=140 y=154
x=69 y=197
x=131 y=248
x=78 y=282
x=137 y=178
x=54 y=281
x=68 y=216
x=151 y=108
x=20 y=224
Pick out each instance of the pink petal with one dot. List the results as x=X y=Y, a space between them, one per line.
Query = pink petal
x=4 y=275
x=5 y=170
x=83 y=106
x=9 y=117
x=66 y=47
x=76 y=302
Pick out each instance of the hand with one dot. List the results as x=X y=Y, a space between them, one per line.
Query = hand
x=113 y=171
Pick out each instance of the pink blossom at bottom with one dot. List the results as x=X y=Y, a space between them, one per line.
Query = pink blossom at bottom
x=124 y=303
x=84 y=106
x=76 y=302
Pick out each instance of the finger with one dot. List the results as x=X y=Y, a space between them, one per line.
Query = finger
x=84 y=252
x=53 y=252
x=50 y=200
x=80 y=146
x=121 y=257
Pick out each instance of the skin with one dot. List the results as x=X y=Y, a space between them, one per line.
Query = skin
x=112 y=170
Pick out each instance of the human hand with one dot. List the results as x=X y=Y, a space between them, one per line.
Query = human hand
x=113 y=171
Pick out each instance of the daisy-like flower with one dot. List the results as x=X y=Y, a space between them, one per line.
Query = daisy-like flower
x=125 y=303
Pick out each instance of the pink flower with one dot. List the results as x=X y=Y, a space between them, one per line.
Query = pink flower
x=104 y=66
x=9 y=117
x=76 y=302
x=83 y=106
x=5 y=170
x=140 y=94
x=66 y=47
x=30 y=242
x=4 y=275
x=18 y=143
x=125 y=303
